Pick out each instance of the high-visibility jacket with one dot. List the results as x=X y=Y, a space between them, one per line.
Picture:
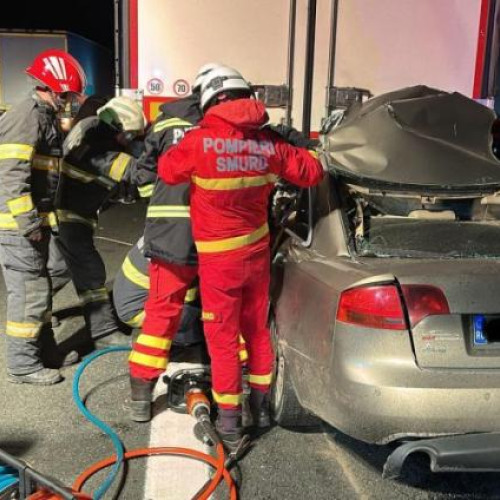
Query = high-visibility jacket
x=30 y=151
x=168 y=226
x=94 y=164
x=232 y=164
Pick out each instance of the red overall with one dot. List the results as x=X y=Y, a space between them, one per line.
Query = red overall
x=232 y=164
x=168 y=286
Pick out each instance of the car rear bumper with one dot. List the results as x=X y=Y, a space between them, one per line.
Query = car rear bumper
x=381 y=395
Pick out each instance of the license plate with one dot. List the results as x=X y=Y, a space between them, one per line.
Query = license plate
x=479 y=336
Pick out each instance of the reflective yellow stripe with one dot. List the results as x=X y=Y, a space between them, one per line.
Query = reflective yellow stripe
x=24 y=330
x=207 y=316
x=21 y=205
x=134 y=275
x=234 y=182
x=97 y=295
x=148 y=360
x=7 y=221
x=171 y=122
x=232 y=243
x=260 y=379
x=76 y=173
x=16 y=152
x=191 y=294
x=137 y=320
x=152 y=341
x=45 y=163
x=68 y=216
x=146 y=191
x=118 y=166
x=227 y=399
x=168 y=211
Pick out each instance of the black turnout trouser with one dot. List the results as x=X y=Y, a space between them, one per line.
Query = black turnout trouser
x=76 y=242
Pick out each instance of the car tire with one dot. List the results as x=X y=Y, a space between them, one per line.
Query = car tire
x=285 y=407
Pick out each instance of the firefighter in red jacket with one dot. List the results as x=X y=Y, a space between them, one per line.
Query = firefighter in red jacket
x=232 y=164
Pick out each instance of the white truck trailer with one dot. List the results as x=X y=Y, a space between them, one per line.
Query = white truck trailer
x=306 y=47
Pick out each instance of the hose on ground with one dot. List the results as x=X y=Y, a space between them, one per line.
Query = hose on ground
x=117 y=460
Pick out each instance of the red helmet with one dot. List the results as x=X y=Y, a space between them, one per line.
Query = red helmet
x=59 y=71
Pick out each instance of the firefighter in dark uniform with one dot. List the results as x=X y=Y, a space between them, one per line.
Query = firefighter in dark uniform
x=33 y=269
x=95 y=162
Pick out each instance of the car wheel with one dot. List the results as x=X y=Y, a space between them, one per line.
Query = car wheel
x=285 y=407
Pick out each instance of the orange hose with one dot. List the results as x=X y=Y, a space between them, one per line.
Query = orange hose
x=216 y=463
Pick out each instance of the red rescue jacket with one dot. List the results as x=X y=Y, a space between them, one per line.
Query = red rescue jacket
x=232 y=165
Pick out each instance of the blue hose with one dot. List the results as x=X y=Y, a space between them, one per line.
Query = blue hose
x=8 y=478
x=117 y=443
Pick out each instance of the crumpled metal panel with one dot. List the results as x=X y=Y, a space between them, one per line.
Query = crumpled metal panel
x=417 y=138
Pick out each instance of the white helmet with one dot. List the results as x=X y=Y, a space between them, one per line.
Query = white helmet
x=221 y=80
x=124 y=114
x=202 y=73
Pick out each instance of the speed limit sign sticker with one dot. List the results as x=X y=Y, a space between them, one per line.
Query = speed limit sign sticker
x=155 y=86
x=181 y=88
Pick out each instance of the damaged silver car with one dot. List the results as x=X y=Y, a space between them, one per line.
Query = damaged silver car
x=386 y=309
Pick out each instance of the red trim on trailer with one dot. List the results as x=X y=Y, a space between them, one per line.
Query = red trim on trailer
x=481 y=49
x=134 y=44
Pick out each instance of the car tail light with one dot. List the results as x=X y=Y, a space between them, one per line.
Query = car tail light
x=372 y=306
x=424 y=300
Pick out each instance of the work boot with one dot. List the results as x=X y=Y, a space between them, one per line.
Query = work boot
x=259 y=407
x=141 y=399
x=228 y=426
x=112 y=339
x=45 y=376
x=246 y=413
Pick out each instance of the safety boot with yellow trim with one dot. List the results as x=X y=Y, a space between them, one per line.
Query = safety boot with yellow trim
x=141 y=400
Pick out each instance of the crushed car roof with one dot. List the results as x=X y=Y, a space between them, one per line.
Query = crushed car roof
x=416 y=139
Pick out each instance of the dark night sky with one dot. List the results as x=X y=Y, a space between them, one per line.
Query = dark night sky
x=92 y=19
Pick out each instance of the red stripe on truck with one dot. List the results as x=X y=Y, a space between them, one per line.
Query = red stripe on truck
x=481 y=49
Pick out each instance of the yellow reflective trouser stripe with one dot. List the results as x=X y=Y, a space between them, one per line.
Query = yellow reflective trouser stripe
x=16 y=151
x=24 y=330
x=118 y=166
x=152 y=341
x=97 y=295
x=76 y=173
x=146 y=191
x=234 y=182
x=243 y=355
x=227 y=399
x=7 y=221
x=134 y=275
x=232 y=243
x=68 y=216
x=45 y=163
x=168 y=211
x=20 y=205
x=148 y=360
x=191 y=294
x=137 y=320
x=171 y=122
x=260 y=379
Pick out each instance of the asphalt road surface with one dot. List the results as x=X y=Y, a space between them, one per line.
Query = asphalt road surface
x=42 y=426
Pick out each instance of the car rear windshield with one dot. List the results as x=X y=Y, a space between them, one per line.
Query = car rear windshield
x=386 y=236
